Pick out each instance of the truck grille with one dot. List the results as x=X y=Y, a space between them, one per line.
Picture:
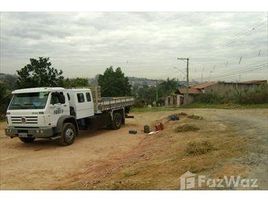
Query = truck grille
x=24 y=120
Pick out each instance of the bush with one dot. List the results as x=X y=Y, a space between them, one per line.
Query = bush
x=4 y=99
x=209 y=98
x=257 y=96
x=253 y=96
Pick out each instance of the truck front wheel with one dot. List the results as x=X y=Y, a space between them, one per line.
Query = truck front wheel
x=117 y=121
x=68 y=134
x=27 y=140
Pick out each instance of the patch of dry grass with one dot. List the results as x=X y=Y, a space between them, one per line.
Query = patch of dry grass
x=186 y=127
x=195 y=117
x=199 y=147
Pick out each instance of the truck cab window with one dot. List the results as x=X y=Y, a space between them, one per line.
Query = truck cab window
x=88 y=96
x=57 y=98
x=68 y=96
x=80 y=97
x=62 y=98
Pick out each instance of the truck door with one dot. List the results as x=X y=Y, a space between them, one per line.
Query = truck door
x=84 y=105
x=90 y=103
x=58 y=107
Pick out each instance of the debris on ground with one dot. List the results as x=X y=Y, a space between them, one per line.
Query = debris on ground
x=176 y=116
x=182 y=114
x=173 y=117
x=194 y=117
x=146 y=129
x=199 y=147
x=132 y=132
x=159 y=126
x=153 y=132
x=186 y=127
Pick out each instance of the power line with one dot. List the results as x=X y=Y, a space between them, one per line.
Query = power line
x=247 y=33
x=241 y=35
x=241 y=69
x=248 y=69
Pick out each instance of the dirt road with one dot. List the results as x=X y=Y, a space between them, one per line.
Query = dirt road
x=45 y=165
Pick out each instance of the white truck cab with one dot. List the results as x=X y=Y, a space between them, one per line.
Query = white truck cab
x=58 y=113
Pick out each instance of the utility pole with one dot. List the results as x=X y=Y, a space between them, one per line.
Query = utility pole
x=187 y=79
x=156 y=93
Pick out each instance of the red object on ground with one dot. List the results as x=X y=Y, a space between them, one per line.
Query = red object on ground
x=159 y=127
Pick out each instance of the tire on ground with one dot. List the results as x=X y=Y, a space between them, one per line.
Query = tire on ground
x=27 y=140
x=68 y=134
x=117 y=120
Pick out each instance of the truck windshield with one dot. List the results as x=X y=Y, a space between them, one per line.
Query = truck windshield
x=34 y=100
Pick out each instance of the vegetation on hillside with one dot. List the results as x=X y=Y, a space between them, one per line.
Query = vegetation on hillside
x=75 y=82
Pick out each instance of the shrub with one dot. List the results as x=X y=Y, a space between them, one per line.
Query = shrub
x=256 y=96
x=208 y=98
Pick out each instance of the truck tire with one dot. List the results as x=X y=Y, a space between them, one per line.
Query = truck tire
x=27 y=140
x=68 y=134
x=117 y=121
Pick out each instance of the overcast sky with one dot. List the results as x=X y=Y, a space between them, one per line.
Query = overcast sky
x=221 y=46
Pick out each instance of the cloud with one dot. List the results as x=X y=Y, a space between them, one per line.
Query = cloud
x=144 y=44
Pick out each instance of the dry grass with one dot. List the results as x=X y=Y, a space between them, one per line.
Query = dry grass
x=199 y=147
x=160 y=159
x=186 y=127
x=195 y=117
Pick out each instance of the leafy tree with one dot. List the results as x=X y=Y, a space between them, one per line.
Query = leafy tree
x=39 y=73
x=3 y=90
x=147 y=95
x=9 y=80
x=4 y=99
x=114 y=83
x=167 y=87
x=75 y=82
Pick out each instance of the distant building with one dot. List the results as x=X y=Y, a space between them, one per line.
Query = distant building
x=220 y=88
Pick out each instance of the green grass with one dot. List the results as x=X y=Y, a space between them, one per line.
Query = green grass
x=225 y=106
x=201 y=105
x=154 y=109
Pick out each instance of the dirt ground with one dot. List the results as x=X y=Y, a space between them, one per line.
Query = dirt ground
x=115 y=159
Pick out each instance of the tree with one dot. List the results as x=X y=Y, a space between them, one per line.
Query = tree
x=9 y=80
x=167 y=87
x=4 y=99
x=39 y=73
x=3 y=91
x=75 y=82
x=114 y=83
x=147 y=95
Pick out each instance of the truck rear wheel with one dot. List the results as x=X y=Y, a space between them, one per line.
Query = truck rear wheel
x=68 y=134
x=117 y=121
x=27 y=140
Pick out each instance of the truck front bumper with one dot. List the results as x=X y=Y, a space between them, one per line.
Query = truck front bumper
x=29 y=132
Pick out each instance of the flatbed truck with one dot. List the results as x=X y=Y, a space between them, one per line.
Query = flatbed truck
x=57 y=113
